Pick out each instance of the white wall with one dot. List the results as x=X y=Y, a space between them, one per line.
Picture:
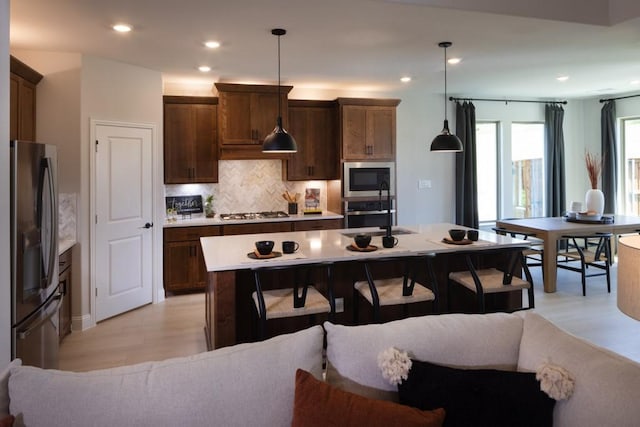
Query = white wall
x=119 y=92
x=5 y=277
x=419 y=119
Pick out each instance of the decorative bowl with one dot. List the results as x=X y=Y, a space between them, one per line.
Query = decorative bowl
x=264 y=247
x=457 y=234
x=362 y=240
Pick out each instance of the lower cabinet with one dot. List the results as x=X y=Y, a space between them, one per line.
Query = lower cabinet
x=184 y=268
x=318 y=224
x=64 y=280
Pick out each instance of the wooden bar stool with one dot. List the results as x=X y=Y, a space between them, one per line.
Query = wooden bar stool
x=494 y=280
x=402 y=290
x=303 y=299
x=534 y=255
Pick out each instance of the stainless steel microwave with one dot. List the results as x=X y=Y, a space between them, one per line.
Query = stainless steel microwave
x=365 y=179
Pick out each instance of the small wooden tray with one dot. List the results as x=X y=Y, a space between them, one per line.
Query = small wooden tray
x=354 y=248
x=256 y=255
x=457 y=242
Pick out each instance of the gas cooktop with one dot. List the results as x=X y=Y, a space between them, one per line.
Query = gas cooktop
x=254 y=215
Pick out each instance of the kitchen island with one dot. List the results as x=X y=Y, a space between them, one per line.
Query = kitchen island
x=228 y=302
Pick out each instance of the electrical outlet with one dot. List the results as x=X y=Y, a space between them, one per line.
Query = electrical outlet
x=424 y=183
x=339 y=305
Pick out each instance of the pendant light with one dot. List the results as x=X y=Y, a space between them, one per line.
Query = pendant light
x=279 y=141
x=446 y=141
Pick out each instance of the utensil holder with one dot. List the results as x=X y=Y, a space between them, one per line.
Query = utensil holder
x=293 y=208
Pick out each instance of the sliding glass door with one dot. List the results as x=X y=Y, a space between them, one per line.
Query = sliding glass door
x=631 y=165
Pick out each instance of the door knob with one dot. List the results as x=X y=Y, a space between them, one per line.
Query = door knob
x=147 y=225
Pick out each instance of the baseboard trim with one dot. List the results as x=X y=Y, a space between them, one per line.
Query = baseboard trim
x=81 y=323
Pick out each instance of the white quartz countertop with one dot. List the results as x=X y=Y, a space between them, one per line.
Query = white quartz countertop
x=223 y=253
x=65 y=244
x=201 y=220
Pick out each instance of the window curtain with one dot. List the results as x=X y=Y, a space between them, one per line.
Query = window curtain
x=466 y=183
x=554 y=159
x=609 y=155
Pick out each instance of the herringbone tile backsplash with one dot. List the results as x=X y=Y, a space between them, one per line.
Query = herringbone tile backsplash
x=250 y=186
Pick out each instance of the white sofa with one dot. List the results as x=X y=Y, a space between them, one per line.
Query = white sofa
x=253 y=384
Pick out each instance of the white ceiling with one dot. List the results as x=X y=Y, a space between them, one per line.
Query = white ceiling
x=357 y=44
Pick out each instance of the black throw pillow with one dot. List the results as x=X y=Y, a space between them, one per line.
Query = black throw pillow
x=478 y=397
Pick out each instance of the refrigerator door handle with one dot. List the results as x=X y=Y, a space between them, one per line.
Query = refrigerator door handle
x=46 y=166
x=47 y=313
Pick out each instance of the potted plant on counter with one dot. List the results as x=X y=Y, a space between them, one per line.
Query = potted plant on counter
x=208 y=206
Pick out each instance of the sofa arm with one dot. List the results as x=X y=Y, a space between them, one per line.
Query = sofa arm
x=607 y=385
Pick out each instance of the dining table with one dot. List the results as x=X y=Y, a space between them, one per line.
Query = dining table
x=551 y=230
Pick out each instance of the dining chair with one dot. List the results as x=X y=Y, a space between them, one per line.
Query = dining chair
x=403 y=290
x=591 y=250
x=500 y=279
x=301 y=299
x=534 y=255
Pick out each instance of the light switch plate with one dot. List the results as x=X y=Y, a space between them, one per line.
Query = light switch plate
x=424 y=183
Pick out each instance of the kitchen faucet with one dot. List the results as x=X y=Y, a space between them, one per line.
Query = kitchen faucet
x=384 y=185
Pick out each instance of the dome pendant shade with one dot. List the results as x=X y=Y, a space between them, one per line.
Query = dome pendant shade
x=446 y=141
x=279 y=141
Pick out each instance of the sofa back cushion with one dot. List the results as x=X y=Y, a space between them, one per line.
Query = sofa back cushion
x=460 y=340
x=4 y=387
x=607 y=385
x=243 y=385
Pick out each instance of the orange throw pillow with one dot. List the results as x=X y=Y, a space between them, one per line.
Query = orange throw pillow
x=7 y=421
x=320 y=404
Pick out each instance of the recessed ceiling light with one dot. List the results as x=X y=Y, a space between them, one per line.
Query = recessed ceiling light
x=212 y=44
x=454 y=61
x=562 y=78
x=635 y=82
x=122 y=28
x=405 y=79
x=204 y=68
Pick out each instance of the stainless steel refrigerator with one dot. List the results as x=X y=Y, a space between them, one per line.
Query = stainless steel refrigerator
x=35 y=295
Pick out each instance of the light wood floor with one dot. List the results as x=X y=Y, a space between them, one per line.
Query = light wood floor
x=175 y=326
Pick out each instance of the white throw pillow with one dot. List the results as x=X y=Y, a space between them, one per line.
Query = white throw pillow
x=607 y=385
x=244 y=385
x=459 y=340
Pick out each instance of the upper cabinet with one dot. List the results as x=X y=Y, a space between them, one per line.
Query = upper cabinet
x=368 y=128
x=246 y=115
x=190 y=140
x=314 y=125
x=23 y=81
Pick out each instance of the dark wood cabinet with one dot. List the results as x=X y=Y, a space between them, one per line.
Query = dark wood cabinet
x=368 y=128
x=184 y=268
x=246 y=115
x=22 y=98
x=259 y=227
x=190 y=140
x=318 y=224
x=64 y=283
x=314 y=125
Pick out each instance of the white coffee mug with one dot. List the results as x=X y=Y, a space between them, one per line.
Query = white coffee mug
x=576 y=207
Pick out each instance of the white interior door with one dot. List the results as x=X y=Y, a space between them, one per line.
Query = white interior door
x=123 y=206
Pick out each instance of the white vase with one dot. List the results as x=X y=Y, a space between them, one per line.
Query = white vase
x=594 y=201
